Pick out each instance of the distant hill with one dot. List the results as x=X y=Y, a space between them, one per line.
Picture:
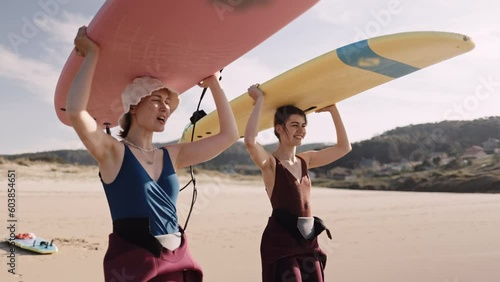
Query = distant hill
x=403 y=143
x=415 y=142
x=79 y=157
x=412 y=143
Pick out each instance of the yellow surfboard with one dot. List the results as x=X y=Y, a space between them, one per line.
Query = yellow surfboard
x=340 y=74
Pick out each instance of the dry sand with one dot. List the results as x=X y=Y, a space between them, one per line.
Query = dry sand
x=378 y=236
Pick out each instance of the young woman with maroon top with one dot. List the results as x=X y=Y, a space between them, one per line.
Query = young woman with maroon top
x=140 y=181
x=289 y=246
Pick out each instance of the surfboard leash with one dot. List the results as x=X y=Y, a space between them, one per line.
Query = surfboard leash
x=197 y=115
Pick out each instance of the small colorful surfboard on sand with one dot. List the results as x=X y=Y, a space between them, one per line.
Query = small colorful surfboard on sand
x=30 y=242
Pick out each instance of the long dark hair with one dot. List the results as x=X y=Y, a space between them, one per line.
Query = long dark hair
x=283 y=113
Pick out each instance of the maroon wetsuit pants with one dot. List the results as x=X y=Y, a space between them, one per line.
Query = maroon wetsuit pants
x=127 y=262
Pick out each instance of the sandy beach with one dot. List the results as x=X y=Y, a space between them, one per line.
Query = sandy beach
x=378 y=236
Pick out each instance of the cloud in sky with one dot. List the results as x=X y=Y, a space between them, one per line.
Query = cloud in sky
x=36 y=76
x=39 y=74
x=60 y=35
x=369 y=17
x=63 y=30
x=339 y=18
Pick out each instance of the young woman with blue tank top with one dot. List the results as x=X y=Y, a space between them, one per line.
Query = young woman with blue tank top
x=289 y=246
x=140 y=181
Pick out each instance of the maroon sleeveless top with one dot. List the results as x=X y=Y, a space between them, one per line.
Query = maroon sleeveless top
x=288 y=193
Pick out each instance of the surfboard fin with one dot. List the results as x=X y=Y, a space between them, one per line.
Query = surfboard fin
x=108 y=131
x=44 y=243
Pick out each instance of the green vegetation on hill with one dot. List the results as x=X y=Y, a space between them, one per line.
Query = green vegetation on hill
x=479 y=176
x=415 y=142
x=78 y=157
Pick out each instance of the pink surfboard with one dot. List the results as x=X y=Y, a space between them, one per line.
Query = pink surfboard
x=178 y=42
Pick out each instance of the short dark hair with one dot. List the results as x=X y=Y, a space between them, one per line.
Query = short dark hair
x=128 y=122
x=283 y=113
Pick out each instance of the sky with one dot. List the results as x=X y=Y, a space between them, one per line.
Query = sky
x=36 y=37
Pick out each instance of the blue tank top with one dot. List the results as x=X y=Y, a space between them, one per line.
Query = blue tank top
x=133 y=194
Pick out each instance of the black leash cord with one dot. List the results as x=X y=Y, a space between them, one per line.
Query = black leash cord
x=191 y=170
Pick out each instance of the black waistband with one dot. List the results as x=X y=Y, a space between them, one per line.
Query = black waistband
x=137 y=232
x=288 y=221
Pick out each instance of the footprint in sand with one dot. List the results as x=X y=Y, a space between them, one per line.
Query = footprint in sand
x=77 y=242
